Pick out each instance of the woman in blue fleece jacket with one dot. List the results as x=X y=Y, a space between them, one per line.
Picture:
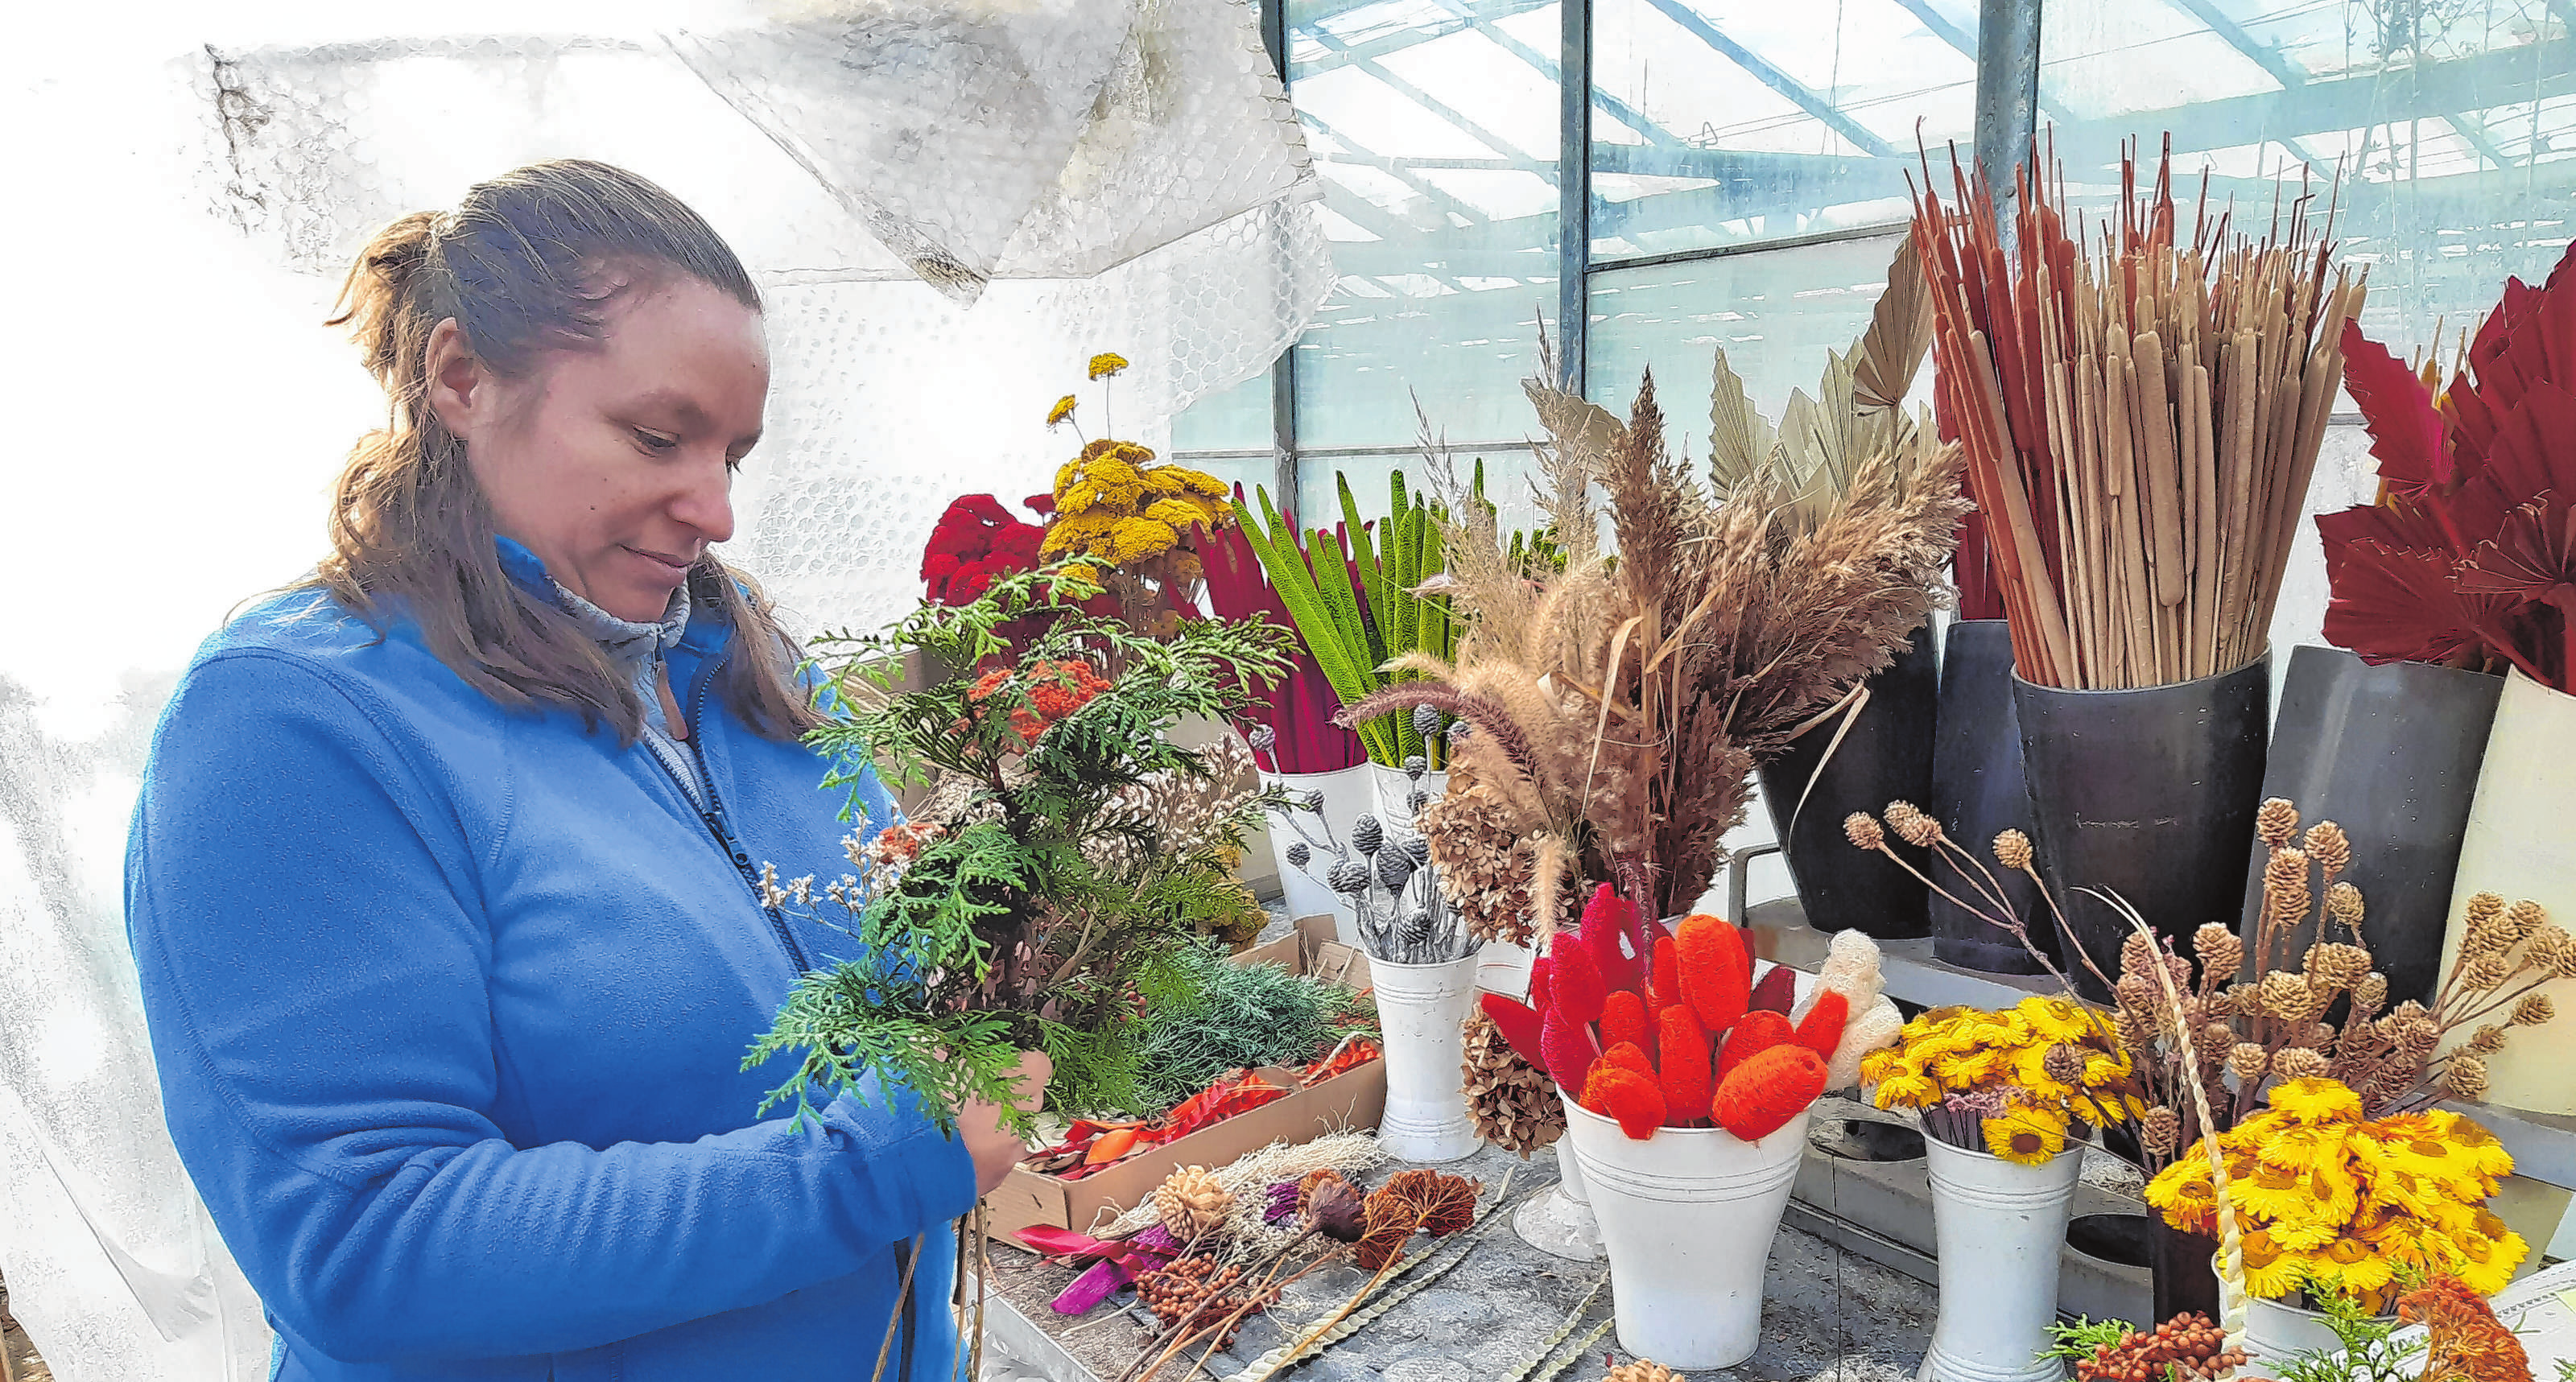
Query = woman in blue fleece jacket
x=441 y=882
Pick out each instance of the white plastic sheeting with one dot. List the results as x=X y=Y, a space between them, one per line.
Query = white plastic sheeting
x=950 y=208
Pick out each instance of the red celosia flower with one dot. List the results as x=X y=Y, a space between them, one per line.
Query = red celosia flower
x=1688 y=1079
x=1615 y=1091
x=1668 y=971
x=1628 y=1055
x=1760 y=1096
x=1756 y=1033
x=1519 y=1025
x=1575 y=986
x=975 y=542
x=1713 y=970
x=1623 y=1019
x=1775 y=993
x=1568 y=1049
x=1821 y=1030
x=1539 y=983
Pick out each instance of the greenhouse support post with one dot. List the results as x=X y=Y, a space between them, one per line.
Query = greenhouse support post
x=2007 y=91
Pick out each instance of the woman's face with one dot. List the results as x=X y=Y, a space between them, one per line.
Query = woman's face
x=613 y=463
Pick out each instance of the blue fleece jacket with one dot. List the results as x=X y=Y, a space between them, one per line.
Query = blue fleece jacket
x=450 y=1002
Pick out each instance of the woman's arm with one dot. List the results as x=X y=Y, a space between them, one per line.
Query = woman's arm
x=305 y=917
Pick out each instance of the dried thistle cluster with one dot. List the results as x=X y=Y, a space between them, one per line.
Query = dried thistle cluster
x=1618 y=707
x=1514 y=1103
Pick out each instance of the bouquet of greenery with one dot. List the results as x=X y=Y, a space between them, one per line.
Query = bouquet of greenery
x=1045 y=890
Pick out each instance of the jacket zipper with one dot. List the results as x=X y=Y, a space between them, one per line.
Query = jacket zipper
x=717 y=825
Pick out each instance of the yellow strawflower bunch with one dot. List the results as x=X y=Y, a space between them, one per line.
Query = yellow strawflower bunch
x=2332 y=1203
x=2027 y=1072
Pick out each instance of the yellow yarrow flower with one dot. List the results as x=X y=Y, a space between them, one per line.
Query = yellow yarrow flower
x=1134 y=539
x=1061 y=412
x=1106 y=364
x=1078 y=532
x=1200 y=483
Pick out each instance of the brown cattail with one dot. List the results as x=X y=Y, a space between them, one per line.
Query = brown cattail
x=2219 y=949
x=2465 y=1077
x=2371 y=994
x=2535 y=1010
x=2328 y=846
x=1912 y=825
x=2478 y=930
x=2012 y=850
x=2277 y=822
x=2299 y=1063
x=2248 y=1061
x=1861 y=828
x=2343 y=903
x=2285 y=887
x=2160 y=1130
x=2488 y=1039
x=2337 y=967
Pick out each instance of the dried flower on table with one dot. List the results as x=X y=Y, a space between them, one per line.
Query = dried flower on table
x=1411 y=1202
x=1640 y=1370
x=1191 y=1204
x=2186 y=1348
x=1338 y=1211
x=1199 y=1292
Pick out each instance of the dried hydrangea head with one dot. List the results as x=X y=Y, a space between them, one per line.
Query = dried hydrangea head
x=2160 y=1130
x=2535 y=1010
x=2327 y=845
x=1862 y=829
x=2219 y=949
x=2300 y=1063
x=1912 y=825
x=2277 y=822
x=2012 y=850
x=2465 y=1076
x=2343 y=903
x=2248 y=1061
x=2371 y=994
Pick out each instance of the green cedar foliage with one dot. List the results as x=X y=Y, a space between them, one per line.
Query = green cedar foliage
x=1048 y=913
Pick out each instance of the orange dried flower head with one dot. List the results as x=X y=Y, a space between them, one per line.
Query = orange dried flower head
x=1623 y=1022
x=1714 y=970
x=2463 y=1340
x=1618 y=1092
x=1769 y=1089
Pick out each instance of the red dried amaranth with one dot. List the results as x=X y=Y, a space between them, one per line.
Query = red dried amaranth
x=1771 y=1087
x=1713 y=971
x=1822 y=1028
x=1574 y=984
x=1566 y=1049
x=1615 y=1091
x=1519 y=1024
x=1609 y=930
x=1668 y=973
x=1627 y=1055
x=1623 y=1019
x=1776 y=992
x=1688 y=1079
x=1757 y=1033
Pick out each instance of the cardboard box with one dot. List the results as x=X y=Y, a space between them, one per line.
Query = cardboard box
x=1350 y=1101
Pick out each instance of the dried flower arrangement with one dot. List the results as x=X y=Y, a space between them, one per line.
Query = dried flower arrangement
x=1618 y=707
x=1385 y=872
x=1009 y=927
x=2269 y=1020
x=2012 y=1082
x=1682 y=1045
x=2333 y=1203
x=2141 y=418
x=2465 y=560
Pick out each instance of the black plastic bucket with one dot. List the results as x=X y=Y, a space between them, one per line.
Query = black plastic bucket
x=2184 y=1278
x=2149 y=794
x=1886 y=756
x=2391 y=754
x=1977 y=790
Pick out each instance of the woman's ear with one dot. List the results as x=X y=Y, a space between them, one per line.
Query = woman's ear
x=461 y=390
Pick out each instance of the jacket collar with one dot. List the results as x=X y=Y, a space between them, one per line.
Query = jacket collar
x=625 y=640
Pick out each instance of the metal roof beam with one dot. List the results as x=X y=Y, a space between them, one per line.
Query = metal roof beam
x=1799 y=93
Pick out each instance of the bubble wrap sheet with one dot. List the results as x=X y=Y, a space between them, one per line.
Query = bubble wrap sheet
x=950 y=208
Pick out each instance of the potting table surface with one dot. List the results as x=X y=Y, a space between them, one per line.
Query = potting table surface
x=1825 y=1313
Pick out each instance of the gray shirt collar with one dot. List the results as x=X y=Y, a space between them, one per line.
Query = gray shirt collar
x=628 y=644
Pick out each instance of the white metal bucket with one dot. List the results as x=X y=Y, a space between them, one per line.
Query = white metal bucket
x=1348 y=795
x=1997 y=1229
x=1421 y=1009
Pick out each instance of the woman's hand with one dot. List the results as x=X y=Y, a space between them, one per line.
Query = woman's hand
x=995 y=1149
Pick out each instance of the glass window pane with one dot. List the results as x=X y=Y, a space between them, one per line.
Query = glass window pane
x=2455 y=126
x=1433 y=123
x=1774 y=312
x=1726 y=121
x=1236 y=419
x=1509 y=472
